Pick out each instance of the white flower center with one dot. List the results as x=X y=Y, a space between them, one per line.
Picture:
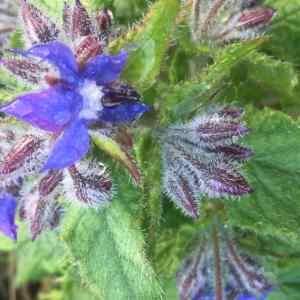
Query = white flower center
x=92 y=95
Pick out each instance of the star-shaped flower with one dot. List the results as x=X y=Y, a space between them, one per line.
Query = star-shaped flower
x=85 y=92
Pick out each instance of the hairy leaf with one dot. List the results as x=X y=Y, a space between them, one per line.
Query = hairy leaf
x=184 y=99
x=263 y=80
x=273 y=173
x=108 y=249
x=149 y=42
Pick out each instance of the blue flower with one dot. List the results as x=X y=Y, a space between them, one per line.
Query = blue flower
x=75 y=100
x=7 y=215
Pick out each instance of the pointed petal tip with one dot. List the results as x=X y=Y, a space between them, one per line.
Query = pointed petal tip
x=68 y=150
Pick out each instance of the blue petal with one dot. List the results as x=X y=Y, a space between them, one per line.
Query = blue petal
x=49 y=110
x=8 y=207
x=71 y=147
x=123 y=113
x=105 y=68
x=59 y=55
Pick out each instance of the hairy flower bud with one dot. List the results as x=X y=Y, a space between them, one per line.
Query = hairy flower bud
x=81 y=22
x=199 y=159
x=89 y=184
x=26 y=69
x=226 y=20
x=87 y=49
x=38 y=27
x=39 y=205
x=25 y=157
x=104 y=22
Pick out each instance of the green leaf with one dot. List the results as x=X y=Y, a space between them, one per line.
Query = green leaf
x=263 y=80
x=149 y=42
x=273 y=172
x=285 y=31
x=183 y=100
x=108 y=248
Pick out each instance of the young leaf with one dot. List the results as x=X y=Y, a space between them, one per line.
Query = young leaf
x=184 y=99
x=150 y=41
x=108 y=249
x=263 y=80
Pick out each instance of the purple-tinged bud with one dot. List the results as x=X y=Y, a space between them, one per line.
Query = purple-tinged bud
x=26 y=69
x=87 y=49
x=223 y=21
x=231 y=112
x=8 y=207
x=49 y=182
x=218 y=270
x=199 y=158
x=233 y=152
x=104 y=19
x=25 y=158
x=216 y=130
x=179 y=188
x=39 y=205
x=256 y=16
x=38 y=27
x=222 y=180
x=67 y=19
x=81 y=22
x=89 y=184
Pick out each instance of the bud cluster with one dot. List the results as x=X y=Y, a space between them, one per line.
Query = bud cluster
x=200 y=158
x=86 y=182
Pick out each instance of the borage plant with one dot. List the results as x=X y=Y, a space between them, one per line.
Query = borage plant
x=102 y=123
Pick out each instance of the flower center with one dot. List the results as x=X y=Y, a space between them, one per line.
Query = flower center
x=92 y=95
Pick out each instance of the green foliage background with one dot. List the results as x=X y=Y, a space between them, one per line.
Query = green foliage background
x=132 y=249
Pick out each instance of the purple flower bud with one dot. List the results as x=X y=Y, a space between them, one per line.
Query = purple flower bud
x=67 y=19
x=81 y=22
x=26 y=69
x=24 y=158
x=89 y=184
x=8 y=207
x=222 y=21
x=39 y=206
x=104 y=19
x=199 y=158
x=38 y=27
x=89 y=48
